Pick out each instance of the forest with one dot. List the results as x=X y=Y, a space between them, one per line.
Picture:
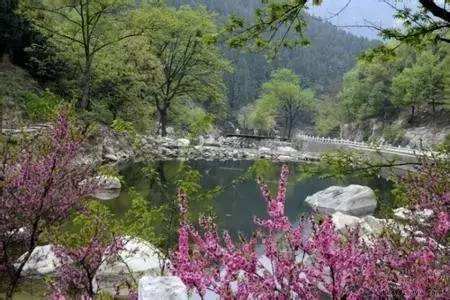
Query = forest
x=124 y=122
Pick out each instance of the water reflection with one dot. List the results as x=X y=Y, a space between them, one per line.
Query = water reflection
x=226 y=189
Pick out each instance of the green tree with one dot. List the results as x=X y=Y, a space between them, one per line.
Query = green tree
x=189 y=65
x=419 y=84
x=82 y=28
x=284 y=95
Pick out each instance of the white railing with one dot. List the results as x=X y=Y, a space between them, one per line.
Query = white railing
x=362 y=145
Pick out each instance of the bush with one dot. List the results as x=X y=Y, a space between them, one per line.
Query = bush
x=393 y=134
x=40 y=107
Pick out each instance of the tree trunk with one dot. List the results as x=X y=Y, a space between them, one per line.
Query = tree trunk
x=86 y=85
x=1 y=116
x=289 y=130
x=413 y=112
x=163 y=121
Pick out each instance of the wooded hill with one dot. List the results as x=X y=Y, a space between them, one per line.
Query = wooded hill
x=320 y=66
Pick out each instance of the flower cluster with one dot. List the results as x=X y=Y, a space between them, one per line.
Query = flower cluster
x=76 y=274
x=305 y=261
x=39 y=189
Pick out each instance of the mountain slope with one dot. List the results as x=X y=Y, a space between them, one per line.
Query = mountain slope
x=321 y=65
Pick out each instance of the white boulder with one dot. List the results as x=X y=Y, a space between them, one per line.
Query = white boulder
x=41 y=262
x=356 y=200
x=162 y=288
x=369 y=225
x=342 y=221
x=138 y=256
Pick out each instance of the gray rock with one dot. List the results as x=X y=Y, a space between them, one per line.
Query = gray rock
x=342 y=221
x=42 y=261
x=108 y=187
x=264 y=150
x=369 y=225
x=405 y=214
x=162 y=288
x=286 y=150
x=354 y=200
x=138 y=256
x=183 y=142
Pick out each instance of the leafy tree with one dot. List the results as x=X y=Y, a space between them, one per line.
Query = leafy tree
x=273 y=20
x=431 y=19
x=15 y=32
x=421 y=83
x=188 y=63
x=366 y=90
x=284 y=95
x=82 y=28
x=328 y=116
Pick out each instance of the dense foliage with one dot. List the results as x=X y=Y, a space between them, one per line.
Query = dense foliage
x=382 y=86
x=283 y=102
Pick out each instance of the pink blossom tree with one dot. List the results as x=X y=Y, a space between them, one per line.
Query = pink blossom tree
x=38 y=190
x=76 y=275
x=305 y=261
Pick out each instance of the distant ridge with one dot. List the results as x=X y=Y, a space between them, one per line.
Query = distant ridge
x=320 y=66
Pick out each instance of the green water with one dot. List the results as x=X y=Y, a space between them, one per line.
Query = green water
x=237 y=204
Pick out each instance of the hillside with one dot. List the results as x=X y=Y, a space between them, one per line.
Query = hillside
x=321 y=65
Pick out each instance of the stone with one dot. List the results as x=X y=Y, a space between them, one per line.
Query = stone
x=355 y=200
x=373 y=226
x=286 y=149
x=162 y=288
x=405 y=214
x=42 y=261
x=284 y=158
x=108 y=187
x=183 y=142
x=264 y=150
x=108 y=182
x=111 y=157
x=342 y=221
x=139 y=257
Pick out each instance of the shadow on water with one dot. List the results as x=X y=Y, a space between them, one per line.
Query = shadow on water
x=239 y=199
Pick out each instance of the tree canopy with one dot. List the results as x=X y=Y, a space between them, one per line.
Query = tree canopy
x=282 y=101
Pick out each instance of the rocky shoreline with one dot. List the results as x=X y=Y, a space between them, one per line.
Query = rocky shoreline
x=113 y=147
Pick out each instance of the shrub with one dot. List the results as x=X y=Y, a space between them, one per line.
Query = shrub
x=41 y=107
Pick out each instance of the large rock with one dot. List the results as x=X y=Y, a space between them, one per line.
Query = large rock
x=369 y=225
x=138 y=257
x=342 y=221
x=162 y=288
x=353 y=200
x=108 y=187
x=42 y=261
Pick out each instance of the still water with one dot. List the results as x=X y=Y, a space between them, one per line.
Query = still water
x=240 y=200
x=234 y=206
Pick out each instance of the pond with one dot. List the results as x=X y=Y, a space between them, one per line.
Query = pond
x=239 y=200
x=234 y=205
